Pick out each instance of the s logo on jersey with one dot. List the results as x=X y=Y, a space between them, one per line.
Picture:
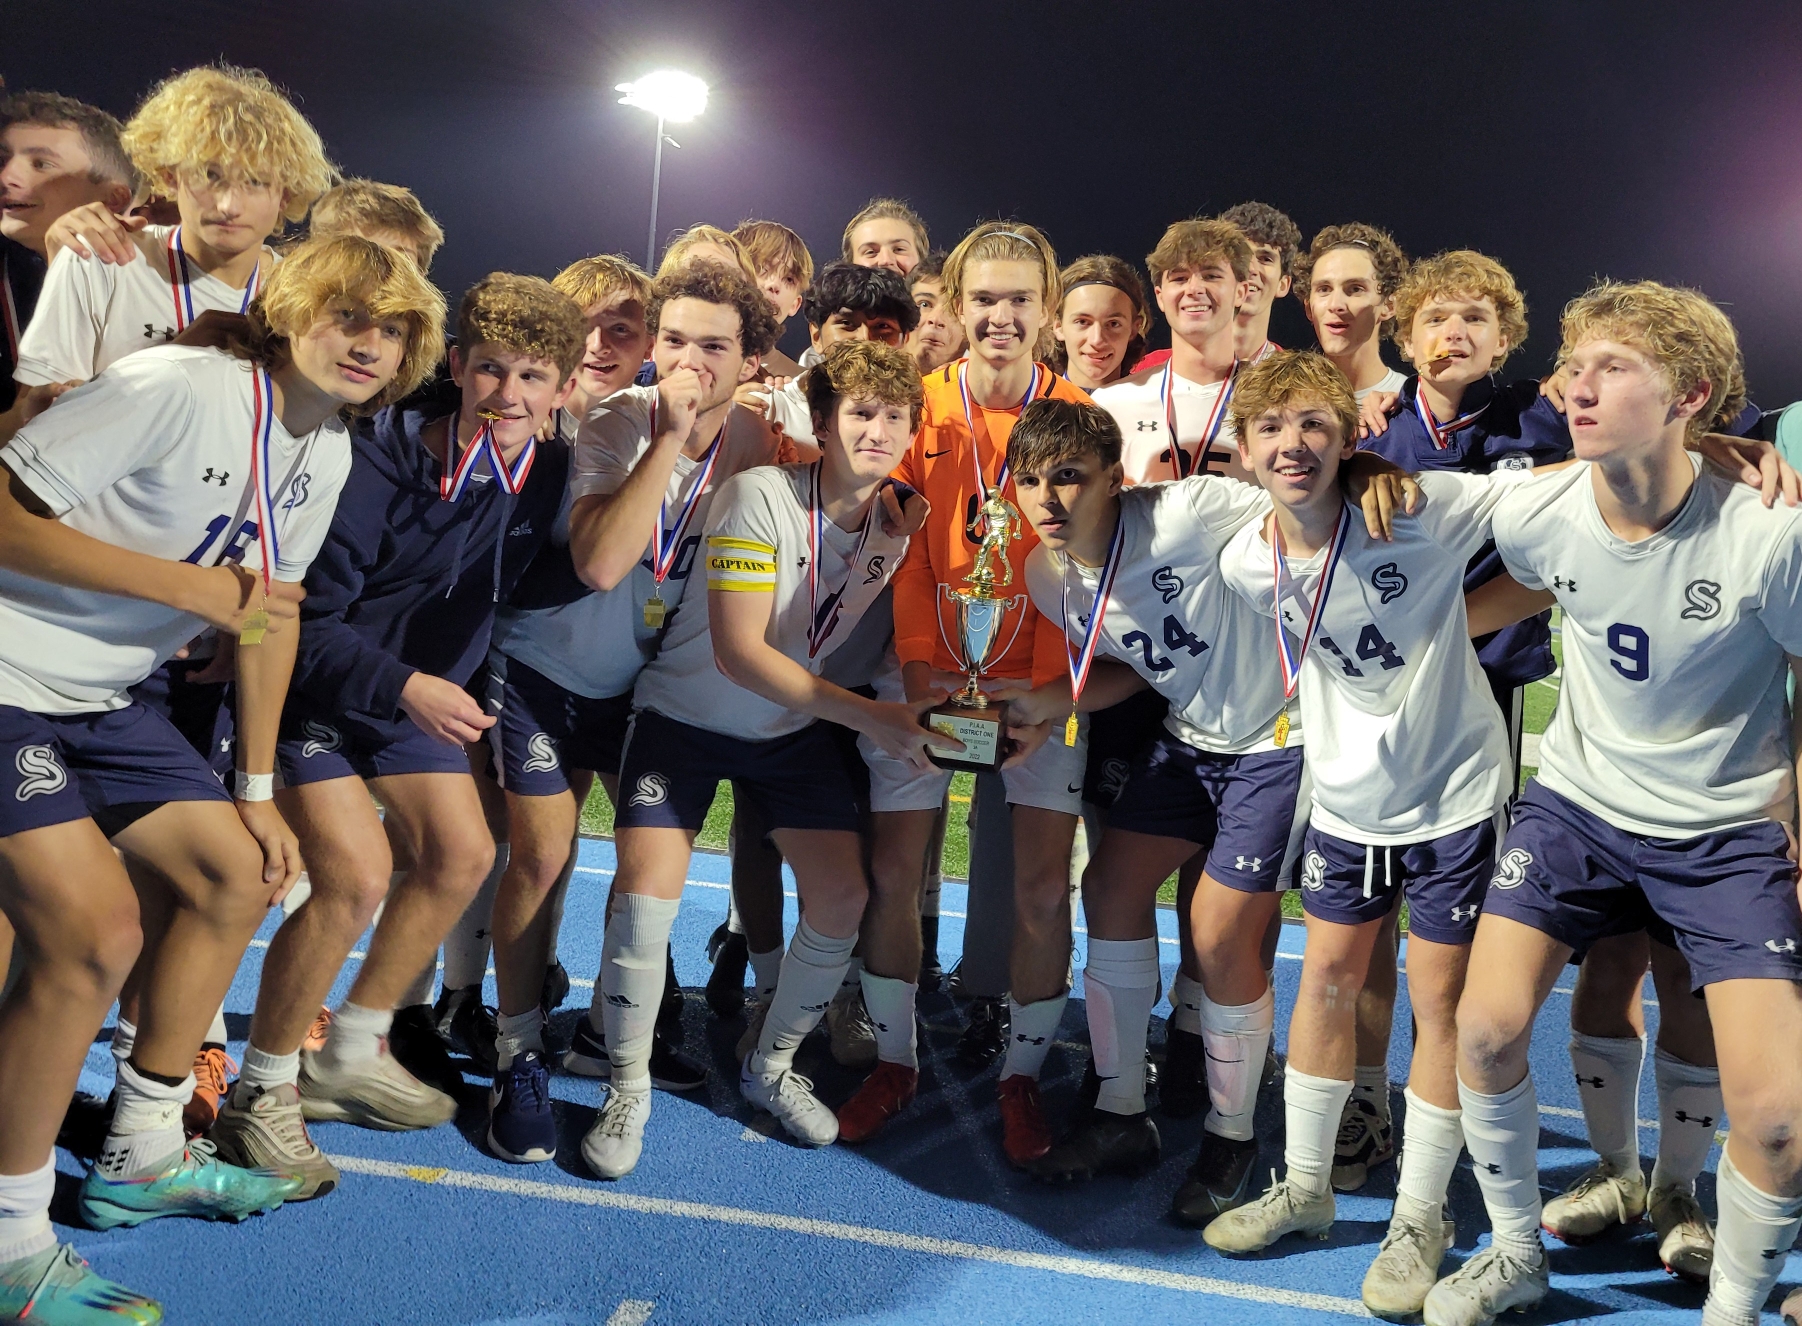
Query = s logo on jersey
x=652 y=790
x=1520 y=460
x=1511 y=870
x=873 y=572
x=40 y=772
x=544 y=754
x=321 y=738
x=1313 y=872
x=1388 y=581
x=1167 y=582
x=1704 y=599
x=297 y=491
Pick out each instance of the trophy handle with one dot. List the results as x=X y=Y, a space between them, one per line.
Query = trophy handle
x=1014 y=606
x=938 y=609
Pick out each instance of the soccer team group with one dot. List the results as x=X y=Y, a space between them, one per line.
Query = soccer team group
x=300 y=609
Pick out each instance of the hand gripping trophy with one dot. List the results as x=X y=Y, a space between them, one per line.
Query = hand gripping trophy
x=969 y=715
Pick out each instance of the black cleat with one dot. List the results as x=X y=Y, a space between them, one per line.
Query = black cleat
x=556 y=989
x=1219 y=1180
x=1274 y=1067
x=671 y=1070
x=730 y=955
x=669 y=1013
x=1183 y=1091
x=1089 y=1089
x=85 y=1124
x=1104 y=1143
x=468 y=1025
x=932 y=975
x=985 y=1037
x=414 y=1042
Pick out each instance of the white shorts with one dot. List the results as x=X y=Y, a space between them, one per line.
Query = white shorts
x=1050 y=779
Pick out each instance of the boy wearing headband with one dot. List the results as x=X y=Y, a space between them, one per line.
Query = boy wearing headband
x=1101 y=320
x=1346 y=282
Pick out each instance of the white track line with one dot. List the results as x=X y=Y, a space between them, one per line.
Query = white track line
x=632 y=1312
x=1085 y=1267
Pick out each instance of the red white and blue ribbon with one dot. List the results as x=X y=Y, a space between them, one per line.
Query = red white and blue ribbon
x=1084 y=657
x=963 y=388
x=1265 y=350
x=1179 y=459
x=182 y=280
x=455 y=478
x=668 y=538
x=9 y=309
x=1441 y=433
x=262 y=493
x=822 y=620
x=1288 y=658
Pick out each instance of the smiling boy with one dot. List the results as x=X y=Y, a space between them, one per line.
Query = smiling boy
x=886 y=233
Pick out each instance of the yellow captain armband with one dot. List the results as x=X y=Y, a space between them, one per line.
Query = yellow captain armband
x=740 y=564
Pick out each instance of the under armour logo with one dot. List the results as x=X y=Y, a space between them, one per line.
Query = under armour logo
x=814 y=1008
x=1701 y=1120
x=1465 y=913
x=1147 y=425
x=1787 y=946
x=1772 y=1254
x=652 y=789
x=1560 y=582
x=215 y=476
x=1253 y=863
x=40 y=773
x=1388 y=581
x=1024 y=1039
x=1493 y=1169
x=1595 y=1082
x=873 y=572
x=152 y=332
x=1167 y=583
x=544 y=754
x=1704 y=599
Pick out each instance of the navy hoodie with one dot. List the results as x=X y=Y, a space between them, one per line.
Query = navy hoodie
x=408 y=582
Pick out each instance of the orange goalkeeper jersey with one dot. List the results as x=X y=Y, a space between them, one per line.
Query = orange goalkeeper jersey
x=941 y=465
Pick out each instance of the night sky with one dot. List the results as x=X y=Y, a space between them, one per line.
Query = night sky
x=1566 y=139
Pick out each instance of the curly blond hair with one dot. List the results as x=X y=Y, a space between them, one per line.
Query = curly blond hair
x=1681 y=331
x=1002 y=241
x=1193 y=243
x=1293 y=377
x=864 y=371
x=524 y=314
x=1467 y=274
x=603 y=279
x=369 y=208
x=235 y=119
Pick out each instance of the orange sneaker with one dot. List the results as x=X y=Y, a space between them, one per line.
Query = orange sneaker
x=213 y=1068
x=316 y=1033
x=1024 y=1135
x=883 y=1095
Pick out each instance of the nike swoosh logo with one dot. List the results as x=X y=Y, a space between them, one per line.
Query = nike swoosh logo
x=934 y=455
x=1074 y=788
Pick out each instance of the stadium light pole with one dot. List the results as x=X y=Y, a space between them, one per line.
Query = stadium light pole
x=674 y=98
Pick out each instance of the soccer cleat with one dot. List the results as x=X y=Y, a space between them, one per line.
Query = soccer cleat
x=1366 y=1140
x=1601 y=1199
x=86 y=1123
x=321 y=1028
x=848 y=1026
x=213 y=1068
x=789 y=1097
x=1024 y=1136
x=1407 y=1265
x=1274 y=1064
x=616 y=1141
x=669 y=1012
x=985 y=1036
x=1685 y=1238
x=1218 y=1181
x=263 y=1129
x=556 y=988
x=729 y=954
x=467 y=1025
x=1103 y=1143
x=1791 y=1311
x=753 y=1032
x=377 y=1092
x=520 y=1125
x=1183 y=1087
x=932 y=974
x=196 y=1183
x=670 y=1070
x=883 y=1095
x=57 y=1288
x=414 y=1042
x=1281 y=1211
x=1493 y=1281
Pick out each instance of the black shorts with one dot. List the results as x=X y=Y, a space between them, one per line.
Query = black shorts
x=1118 y=736
x=542 y=730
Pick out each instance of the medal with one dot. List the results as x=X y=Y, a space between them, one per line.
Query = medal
x=181 y=279
x=653 y=612
x=262 y=497
x=667 y=541
x=1084 y=657
x=1280 y=733
x=1289 y=660
x=1180 y=467
x=823 y=618
x=455 y=478
x=251 y=633
x=1070 y=729
x=1442 y=433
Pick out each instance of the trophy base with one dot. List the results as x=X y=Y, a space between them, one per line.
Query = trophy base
x=983 y=732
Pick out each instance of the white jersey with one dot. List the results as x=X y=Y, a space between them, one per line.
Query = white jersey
x=758 y=541
x=1173 y=618
x=1671 y=718
x=92 y=314
x=596 y=645
x=1137 y=404
x=153 y=457
x=1405 y=740
x=1391 y=381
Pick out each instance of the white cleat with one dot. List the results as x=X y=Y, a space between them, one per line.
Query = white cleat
x=373 y=1093
x=789 y=1097
x=1279 y=1212
x=614 y=1144
x=1407 y=1265
x=1603 y=1198
x=1491 y=1282
x=1685 y=1238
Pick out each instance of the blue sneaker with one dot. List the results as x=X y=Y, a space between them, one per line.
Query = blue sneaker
x=520 y=1126
x=197 y=1183
x=58 y=1288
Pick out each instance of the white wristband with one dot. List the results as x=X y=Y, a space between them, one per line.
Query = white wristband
x=255 y=787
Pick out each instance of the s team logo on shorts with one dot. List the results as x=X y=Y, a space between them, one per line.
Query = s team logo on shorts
x=1113 y=776
x=652 y=790
x=1704 y=599
x=1313 y=872
x=1511 y=870
x=544 y=754
x=321 y=738
x=1388 y=581
x=1167 y=582
x=40 y=772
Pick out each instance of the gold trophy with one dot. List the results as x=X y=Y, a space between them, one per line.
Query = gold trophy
x=970 y=716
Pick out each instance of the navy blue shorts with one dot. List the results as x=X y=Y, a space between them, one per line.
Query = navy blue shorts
x=1239 y=808
x=1727 y=899
x=1443 y=878
x=1118 y=736
x=113 y=767
x=311 y=749
x=200 y=711
x=541 y=730
x=671 y=771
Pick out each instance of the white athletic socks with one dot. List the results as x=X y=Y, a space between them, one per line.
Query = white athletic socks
x=216 y=1033
x=25 y=1212
x=1431 y=1144
x=1689 y=1112
x=1311 y=1110
x=1032 y=1029
x=267 y=1071
x=634 y=955
x=766 y=970
x=811 y=974
x=466 y=946
x=1502 y=1135
x=1752 y=1236
x=356 y=1034
x=929 y=894
x=1236 y=1038
x=514 y=1035
x=890 y=1004
x=146 y=1130
x=852 y=980
x=1121 y=983
x=1186 y=999
x=735 y=924
x=1370 y=1083
x=1607 y=1069
x=125 y=1038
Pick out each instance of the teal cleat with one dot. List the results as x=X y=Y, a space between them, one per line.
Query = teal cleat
x=57 y=1288
x=198 y=1184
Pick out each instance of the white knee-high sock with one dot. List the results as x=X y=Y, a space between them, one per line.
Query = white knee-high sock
x=811 y=974
x=890 y=1004
x=25 y=1212
x=1608 y=1069
x=1370 y=1083
x=1431 y=1144
x=1032 y=1028
x=146 y=1132
x=1121 y=985
x=513 y=1036
x=1236 y=1038
x=1689 y=1112
x=1311 y=1110
x=466 y=946
x=125 y=1039
x=1502 y=1135
x=766 y=970
x=735 y=924
x=852 y=981
x=1752 y=1236
x=634 y=955
x=216 y=1033
x=1186 y=999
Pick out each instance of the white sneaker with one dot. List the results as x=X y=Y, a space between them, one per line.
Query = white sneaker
x=1602 y=1198
x=1281 y=1210
x=789 y=1097
x=758 y=1013
x=1493 y=1281
x=848 y=1024
x=1685 y=1238
x=1407 y=1265
x=375 y=1093
x=614 y=1144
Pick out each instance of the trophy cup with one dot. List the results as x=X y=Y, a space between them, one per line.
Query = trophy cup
x=970 y=716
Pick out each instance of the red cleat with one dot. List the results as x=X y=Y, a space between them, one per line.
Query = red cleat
x=1024 y=1135
x=883 y=1095
x=212 y=1079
